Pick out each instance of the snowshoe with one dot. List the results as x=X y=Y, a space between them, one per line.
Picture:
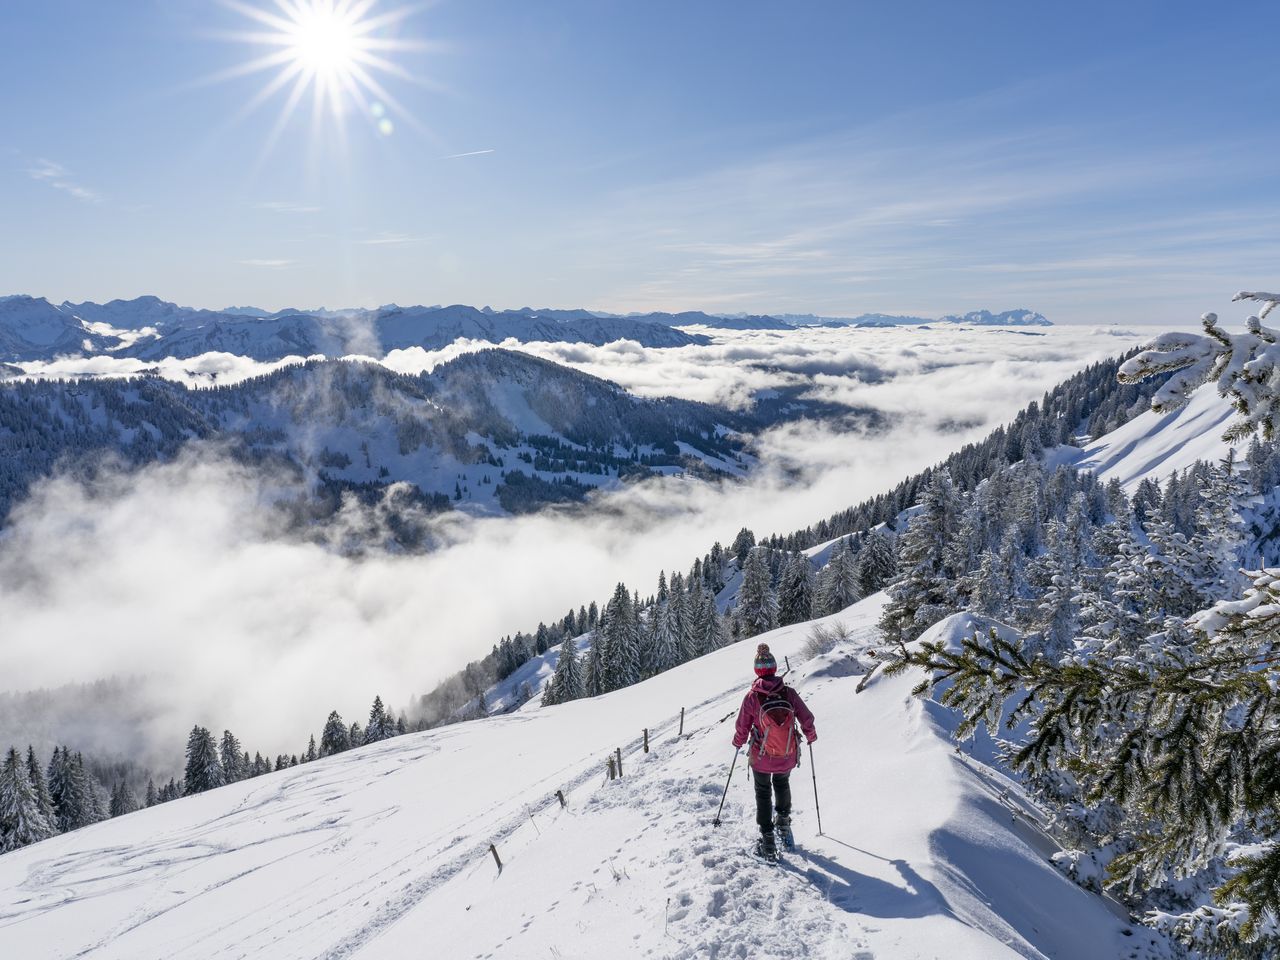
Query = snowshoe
x=782 y=827
x=766 y=848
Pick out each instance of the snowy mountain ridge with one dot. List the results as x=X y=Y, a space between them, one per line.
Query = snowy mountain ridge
x=491 y=431
x=1006 y=318
x=148 y=328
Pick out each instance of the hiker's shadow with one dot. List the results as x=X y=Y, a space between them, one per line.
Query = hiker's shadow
x=856 y=892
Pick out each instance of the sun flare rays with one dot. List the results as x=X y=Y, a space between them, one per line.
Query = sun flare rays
x=332 y=52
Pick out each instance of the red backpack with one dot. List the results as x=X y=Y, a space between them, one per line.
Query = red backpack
x=777 y=727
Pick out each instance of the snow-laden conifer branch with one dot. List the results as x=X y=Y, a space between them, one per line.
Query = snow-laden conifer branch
x=1243 y=366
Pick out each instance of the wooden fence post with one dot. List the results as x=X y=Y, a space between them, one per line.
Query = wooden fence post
x=560 y=797
x=496 y=858
x=681 y=733
x=619 y=751
x=646 y=739
x=613 y=775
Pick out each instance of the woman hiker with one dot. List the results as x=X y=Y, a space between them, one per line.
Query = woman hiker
x=768 y=717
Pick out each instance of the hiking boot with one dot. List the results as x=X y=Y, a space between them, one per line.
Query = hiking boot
x=782 y=826
x=766 y=847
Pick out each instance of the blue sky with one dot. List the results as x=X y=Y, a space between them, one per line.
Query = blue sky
x=1098 y=162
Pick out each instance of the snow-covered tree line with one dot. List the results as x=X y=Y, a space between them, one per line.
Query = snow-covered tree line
x=212 y=763
x=36 y=804
x=1048 y=551
x=633 y=641
x=1090 y=403
x=1145 y=678
x=39 y=802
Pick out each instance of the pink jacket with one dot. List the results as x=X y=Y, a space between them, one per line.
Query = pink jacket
x=749 y=724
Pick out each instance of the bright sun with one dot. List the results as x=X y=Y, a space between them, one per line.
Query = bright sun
x=331 y=49
x=324 y=39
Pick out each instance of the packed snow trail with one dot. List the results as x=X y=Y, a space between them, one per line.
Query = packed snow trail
x=384 y=851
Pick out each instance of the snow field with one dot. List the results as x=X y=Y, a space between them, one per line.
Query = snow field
x=384 y=851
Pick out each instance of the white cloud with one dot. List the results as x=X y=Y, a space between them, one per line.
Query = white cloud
x=267 y=264
x=58 y=177
x=287 y=206
x=390 y=239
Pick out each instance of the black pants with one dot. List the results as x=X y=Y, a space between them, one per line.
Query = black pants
x=779 y=784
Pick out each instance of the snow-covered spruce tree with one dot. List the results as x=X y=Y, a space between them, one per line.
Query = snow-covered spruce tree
x=1057 y=616
x=680 y=613
x=666 y=641
x=153 y=796
x=1175 y=731
x=877 y=563
x=742 y=545
x=41 y=787
x=334 y=738
x=708 y=625
x=312 y=753
x=123 y=800
x=356 y=736
x=230 y=754
x=593 y=673
x=71 y=791
x=919 y=597
x=567 y=682
x=837 y=583
x=796 y=591
x=101 y=798
x=1169 y=566
x=1217 y=540
x=21 y=820
x=757 y=610
x=988 y=586
x=622 y=646
x=204 y=767
x=648 y=628
x=378 y=727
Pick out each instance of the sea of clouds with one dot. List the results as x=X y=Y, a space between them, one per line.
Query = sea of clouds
x=180 y=573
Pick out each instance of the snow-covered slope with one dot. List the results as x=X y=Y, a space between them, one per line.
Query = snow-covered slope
x=1156 y=445
x=384 y=851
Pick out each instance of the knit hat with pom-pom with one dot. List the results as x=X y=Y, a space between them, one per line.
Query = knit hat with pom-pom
x=766 y=666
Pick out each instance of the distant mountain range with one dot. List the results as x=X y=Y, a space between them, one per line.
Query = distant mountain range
x=32 y=328
x=977 y=318
x=490 y=431
x=148 y=328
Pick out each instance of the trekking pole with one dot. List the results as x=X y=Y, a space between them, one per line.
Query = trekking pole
x=817 y=809
x=716 y=821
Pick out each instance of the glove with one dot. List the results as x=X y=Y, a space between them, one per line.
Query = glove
x=737 y=744
x=811 y=739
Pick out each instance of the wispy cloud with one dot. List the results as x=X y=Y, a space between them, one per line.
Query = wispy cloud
x=390 y=240
x=287 y=206
x=267 y=264
x=885 y=218
x=59 y=177
x=469 y=153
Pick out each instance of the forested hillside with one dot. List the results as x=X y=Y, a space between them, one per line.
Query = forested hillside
x=489 y=430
